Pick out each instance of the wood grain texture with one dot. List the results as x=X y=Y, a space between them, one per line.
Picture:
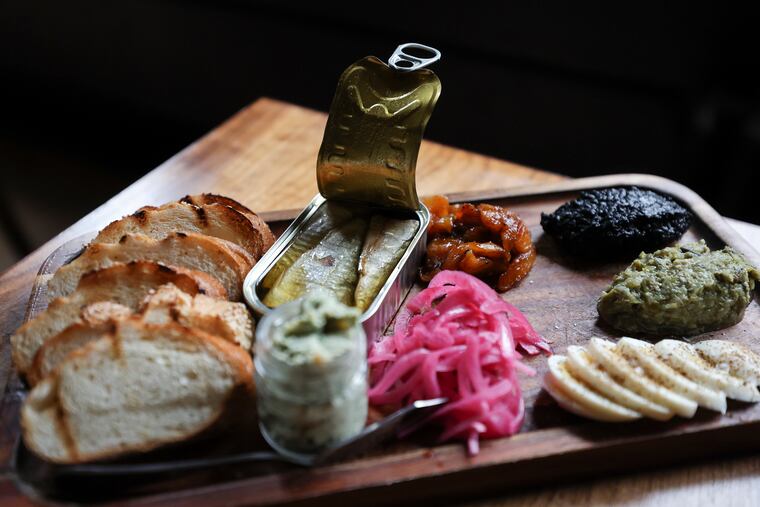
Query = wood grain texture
x=265 y=157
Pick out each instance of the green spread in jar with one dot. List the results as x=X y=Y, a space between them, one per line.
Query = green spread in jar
x=311 y=374
x=680 y=290
x=318 y=334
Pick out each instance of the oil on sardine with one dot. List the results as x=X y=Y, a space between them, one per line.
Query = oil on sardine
x=328 y=217
x=332 y=265
x=387 y=240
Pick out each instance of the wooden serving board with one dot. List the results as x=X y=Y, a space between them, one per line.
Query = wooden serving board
x=559 y=298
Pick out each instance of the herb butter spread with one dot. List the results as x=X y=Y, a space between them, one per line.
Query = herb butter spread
x=318 y=334
x=681 y=290
x=311 y=374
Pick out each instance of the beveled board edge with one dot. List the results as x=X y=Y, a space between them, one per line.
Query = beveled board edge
x=520 y=461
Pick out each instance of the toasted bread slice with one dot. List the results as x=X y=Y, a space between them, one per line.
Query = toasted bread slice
x=137 y=389
x=214 y=256
x=258 y=223
x=120 y=281
x=126 y=284
x=215 y=220
x=208 y=198
x=225 y=319
x=97 y=320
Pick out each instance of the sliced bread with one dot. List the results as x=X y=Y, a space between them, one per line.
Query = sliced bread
x=208 y=198
x=258 y=223
x=125 y=284
x=214 y=256
x=225 y=319
x=137 y=389
x=96 y=321
x=129 y=282
x=213 y=219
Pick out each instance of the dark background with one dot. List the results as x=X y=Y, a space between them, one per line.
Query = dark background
x=97 y=93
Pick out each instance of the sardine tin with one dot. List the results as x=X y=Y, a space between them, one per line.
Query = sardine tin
x=368 y=156
x=382 y=310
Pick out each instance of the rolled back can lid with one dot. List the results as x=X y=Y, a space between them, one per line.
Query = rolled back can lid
x=374 y=131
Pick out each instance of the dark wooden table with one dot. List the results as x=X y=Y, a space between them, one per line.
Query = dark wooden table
x=265 y=157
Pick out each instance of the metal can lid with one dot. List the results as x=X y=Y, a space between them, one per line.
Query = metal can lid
x=374 y=130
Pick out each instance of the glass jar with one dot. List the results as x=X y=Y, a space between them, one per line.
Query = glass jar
x=317 y=401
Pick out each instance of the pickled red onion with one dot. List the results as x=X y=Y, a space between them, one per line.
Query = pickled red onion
x=457 y=339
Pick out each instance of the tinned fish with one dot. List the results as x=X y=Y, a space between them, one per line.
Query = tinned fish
x=387 y=240
x=332 y=265
x=332 y=216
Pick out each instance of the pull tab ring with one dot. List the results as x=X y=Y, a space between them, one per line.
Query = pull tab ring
x=404 y=62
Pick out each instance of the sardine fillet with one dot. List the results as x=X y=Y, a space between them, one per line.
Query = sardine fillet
x=387 y=240
x=332 y=265
x=329 y=218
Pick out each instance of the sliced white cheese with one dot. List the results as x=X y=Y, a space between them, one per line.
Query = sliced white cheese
x=732 y=358
x=621 y=382
x=582 y=366
x=635 y=378
x=597 y=407
x=564 y=401
x=684 y=358
x=644 y=353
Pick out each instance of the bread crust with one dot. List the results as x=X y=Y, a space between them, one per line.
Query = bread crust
x=266 y=233
x=213 y=219
x=187 y=280
x=209 y=198
x=214 y=256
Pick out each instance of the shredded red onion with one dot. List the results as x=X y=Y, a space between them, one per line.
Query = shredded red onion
x=457 y=339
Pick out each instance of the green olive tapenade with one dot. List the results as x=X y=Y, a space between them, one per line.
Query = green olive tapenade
x=681 y=290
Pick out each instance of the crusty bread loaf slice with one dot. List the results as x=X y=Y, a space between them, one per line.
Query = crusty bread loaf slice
x=125 y=284
x=97 y=320
x=142 y=387
x=258 y=223
x=212 y=219
x=208 y=198
x=128 y=283
x=225 y=319
x=213 y=256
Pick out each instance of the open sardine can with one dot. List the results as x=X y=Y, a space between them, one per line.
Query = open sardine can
x=366 y=178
